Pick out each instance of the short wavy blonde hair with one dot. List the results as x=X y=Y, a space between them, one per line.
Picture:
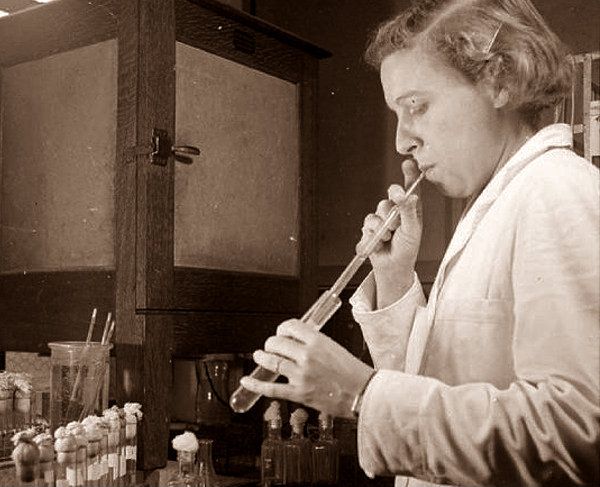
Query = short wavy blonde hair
x=505 y=42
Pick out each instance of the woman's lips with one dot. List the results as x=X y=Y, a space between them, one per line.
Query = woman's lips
x=425 y=168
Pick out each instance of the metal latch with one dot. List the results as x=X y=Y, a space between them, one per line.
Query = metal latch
x=161 y=149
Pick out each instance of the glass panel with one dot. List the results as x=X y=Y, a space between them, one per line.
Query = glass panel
x=236 y=206
x=57 y=160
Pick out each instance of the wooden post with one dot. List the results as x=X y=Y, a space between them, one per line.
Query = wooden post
x=144 y=219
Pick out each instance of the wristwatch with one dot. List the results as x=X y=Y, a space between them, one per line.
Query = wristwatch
x=357 y=402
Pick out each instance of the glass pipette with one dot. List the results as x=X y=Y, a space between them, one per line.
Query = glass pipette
x=323 y=308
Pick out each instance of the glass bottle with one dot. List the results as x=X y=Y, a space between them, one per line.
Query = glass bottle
x=46 y=447
x=325 y=454
x=271 y=455
x=206 y=470
x=186 y=476
x=296 y=452
x=66 y=458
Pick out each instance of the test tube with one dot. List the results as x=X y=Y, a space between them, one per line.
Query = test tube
x=319 y=313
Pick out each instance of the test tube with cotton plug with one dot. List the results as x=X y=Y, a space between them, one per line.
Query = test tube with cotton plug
x=325 y=306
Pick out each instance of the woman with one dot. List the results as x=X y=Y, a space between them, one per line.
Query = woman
x=493 y=381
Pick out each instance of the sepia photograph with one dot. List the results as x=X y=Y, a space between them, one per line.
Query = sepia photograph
x=306 y=243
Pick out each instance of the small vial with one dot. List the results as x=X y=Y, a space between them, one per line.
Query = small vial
x=65 y=446
x=114 y=425
x=133 y=414
x=26 y=456
x=45 y=444
x=122 y=447
x=77 y=430
x=296 y=452
x=186 y=446
x=271 y=451
x=104 y=428
x=325 y=454
x=94 y=436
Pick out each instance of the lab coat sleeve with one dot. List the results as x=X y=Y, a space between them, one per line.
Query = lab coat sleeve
x=544 y=429
x=386 y=330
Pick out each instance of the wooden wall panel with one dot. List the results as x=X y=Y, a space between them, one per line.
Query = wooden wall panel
x=36 y=308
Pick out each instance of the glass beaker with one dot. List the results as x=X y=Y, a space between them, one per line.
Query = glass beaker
x=213 y=391
x=79 y=380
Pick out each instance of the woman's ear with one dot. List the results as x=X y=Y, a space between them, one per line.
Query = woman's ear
x=500 y=98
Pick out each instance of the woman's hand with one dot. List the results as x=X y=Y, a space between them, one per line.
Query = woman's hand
x=394 y=259
x=321 y=374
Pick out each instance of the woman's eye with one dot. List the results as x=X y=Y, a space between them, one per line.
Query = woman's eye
x=416 y=107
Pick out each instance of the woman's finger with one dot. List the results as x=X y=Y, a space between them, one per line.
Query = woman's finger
x=383 y=210
x=371 y=222
x=275 y=363
x=270 y=389
x=284 y=346
x=301 y=333
x=371 y=225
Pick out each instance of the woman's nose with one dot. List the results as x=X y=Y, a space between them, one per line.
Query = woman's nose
x=406 y=143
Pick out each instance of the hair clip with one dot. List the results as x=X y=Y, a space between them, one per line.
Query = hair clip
x=493 y=39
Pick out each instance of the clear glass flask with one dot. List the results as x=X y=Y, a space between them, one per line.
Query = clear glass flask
x=325 y=454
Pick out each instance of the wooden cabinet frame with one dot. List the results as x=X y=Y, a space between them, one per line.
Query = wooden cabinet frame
x=160 y=310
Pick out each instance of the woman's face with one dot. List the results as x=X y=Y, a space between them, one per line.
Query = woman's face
x=447 y=124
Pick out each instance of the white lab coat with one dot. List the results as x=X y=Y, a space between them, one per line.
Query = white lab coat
x=495 y=381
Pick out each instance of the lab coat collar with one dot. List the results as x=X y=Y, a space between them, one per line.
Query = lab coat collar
x=552 y=136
